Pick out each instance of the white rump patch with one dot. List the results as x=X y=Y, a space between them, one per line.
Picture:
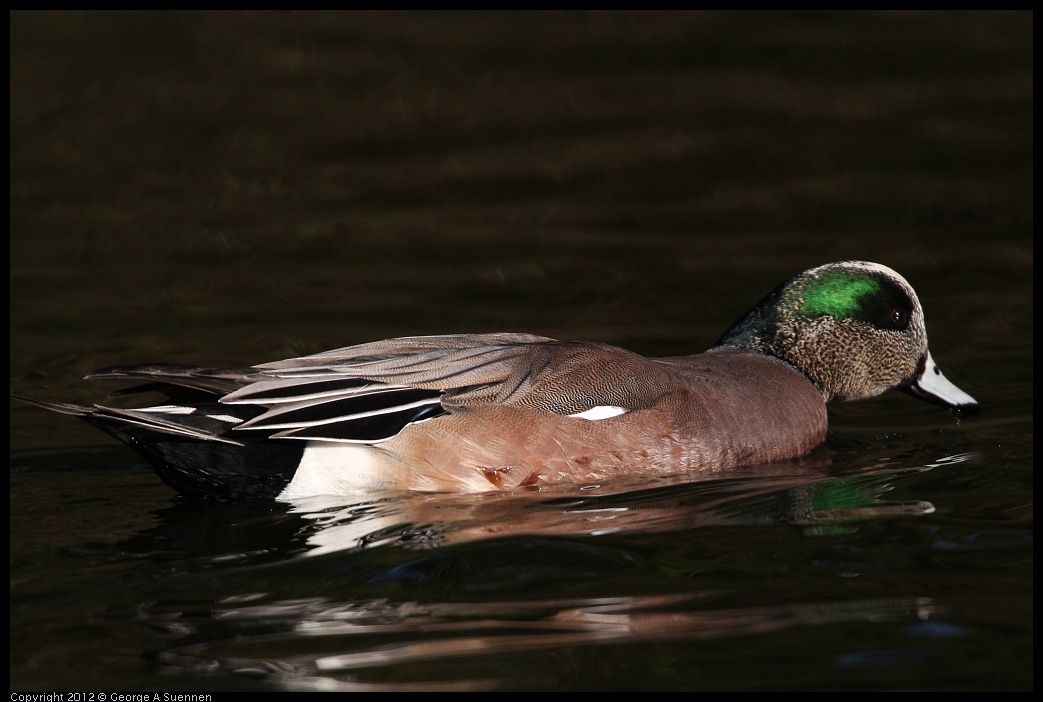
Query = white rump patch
x=604 y=412
x=328 y=468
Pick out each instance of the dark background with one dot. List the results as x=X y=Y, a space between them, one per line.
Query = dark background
x=233 y=188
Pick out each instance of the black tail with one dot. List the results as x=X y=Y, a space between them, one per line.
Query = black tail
x=191 y=452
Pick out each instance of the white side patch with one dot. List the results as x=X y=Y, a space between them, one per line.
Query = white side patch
x=329 y=468
x=604 y=412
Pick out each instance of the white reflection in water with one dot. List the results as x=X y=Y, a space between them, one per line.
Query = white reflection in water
x=428 y=632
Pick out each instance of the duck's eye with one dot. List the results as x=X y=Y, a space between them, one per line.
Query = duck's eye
x=900 y=318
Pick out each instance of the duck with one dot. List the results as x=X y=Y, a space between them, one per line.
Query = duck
x=486 y=412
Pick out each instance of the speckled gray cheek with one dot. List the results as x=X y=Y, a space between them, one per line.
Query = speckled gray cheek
x=823 y=354
x=848 y=359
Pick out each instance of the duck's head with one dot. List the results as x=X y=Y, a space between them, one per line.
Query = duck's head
x=854 y=329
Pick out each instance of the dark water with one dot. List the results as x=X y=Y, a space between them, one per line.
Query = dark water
x=228 y=189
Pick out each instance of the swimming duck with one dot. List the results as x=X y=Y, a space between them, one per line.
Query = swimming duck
x=481 y=412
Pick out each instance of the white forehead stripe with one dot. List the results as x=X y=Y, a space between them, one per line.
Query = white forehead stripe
x=867 y=266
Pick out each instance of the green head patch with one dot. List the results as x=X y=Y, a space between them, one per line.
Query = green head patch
x=846 y=294
x=839 y=294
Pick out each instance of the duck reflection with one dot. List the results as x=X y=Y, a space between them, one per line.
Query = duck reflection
x=801 y=493
x=446 y=586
